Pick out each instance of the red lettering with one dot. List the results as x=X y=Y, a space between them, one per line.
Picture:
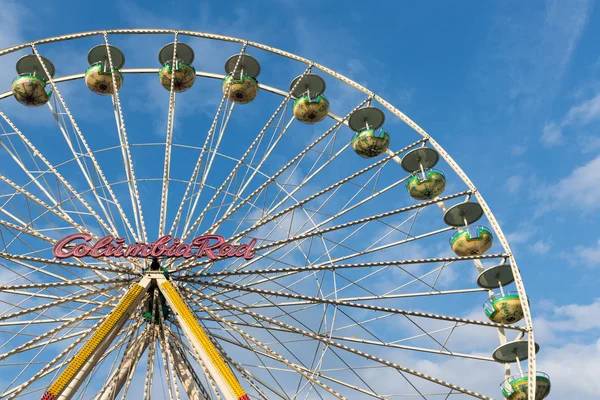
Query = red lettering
x=204 y=249
x=119 y=251
x=158 y=247
x=145 y=250
x=184 y=250
x=245 y=250
x=133 y=250
x=81 y=250
x=99 y=246
x=110 y=251
x=171 y=249
x=227 y=250
x=210 y=246
x=58 y=250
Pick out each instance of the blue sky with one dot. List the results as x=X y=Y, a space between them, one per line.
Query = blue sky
x=510 y=89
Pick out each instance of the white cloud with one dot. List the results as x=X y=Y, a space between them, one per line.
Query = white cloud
x=581 y=114
x=573 y=370
x=588 y=256
x=582 y=177
x=589 y=143
x=572 y=367
x=541 y=247
x=513 y=184
x=584 y=113
x=532 y=52
x=519 y=150
x=552 y=134
x=520 y=236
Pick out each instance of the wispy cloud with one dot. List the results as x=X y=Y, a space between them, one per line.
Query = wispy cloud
x=551 y=134
x=579 y=115
x=584 y=113
x=526 y=54
x=585 y=255
x=513 y=184
x=587 y=182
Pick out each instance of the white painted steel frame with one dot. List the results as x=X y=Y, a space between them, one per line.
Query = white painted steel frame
x=495 y=226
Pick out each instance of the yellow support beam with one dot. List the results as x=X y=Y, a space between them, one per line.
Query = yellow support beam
x=101 y=338
x=221 y=373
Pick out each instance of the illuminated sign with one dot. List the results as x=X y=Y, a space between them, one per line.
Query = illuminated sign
x=210 y=246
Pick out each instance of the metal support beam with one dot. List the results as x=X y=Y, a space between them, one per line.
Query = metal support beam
x=66 y=385
x=126 y=369
x=226 y=381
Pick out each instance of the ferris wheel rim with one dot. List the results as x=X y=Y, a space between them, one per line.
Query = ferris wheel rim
x=371 y=95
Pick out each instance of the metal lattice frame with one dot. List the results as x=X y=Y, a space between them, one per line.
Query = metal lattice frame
x=230 y=320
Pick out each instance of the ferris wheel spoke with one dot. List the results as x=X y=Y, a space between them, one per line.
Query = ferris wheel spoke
x=263 y=354
x=35 y=337
x=73 y=280
x=50 y=367
x=127 y=365
x=282 y=344
x=214 y=149
x=278 y=244
x=351 y=304
x=44 y=205
x=121 y=340
x=356 y=222
x=56 y=210
x=228 y=273
x=34 y=152
x=111 y=266
x=242 y=160
x=68 y=283
x=88 y=152
x=354 y=255
x=68 y=299
x=341 y=346
x=268 y=217
x=299 y=369
x=168 y=145
x=236 y=299
x=344 y=210
x=341 y=212
x=136 y=204
x=33 y=343
x=318 y=373
x=293 y=161
x=245 y=181
x=386 y=344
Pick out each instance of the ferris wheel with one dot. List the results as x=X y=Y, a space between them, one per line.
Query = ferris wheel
x=286 y=233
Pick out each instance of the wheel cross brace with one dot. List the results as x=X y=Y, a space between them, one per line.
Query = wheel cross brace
x=68 y=382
